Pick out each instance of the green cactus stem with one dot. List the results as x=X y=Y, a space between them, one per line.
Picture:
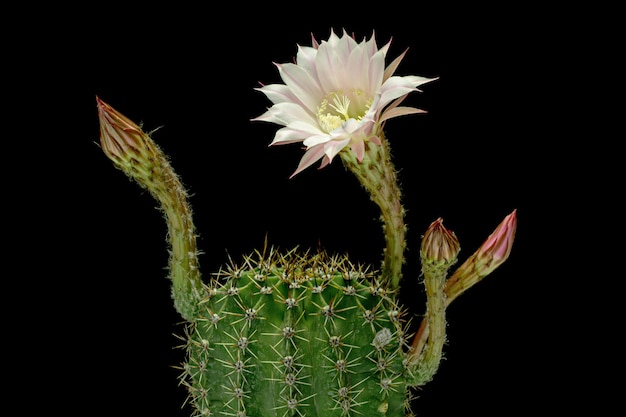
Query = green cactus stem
x=376 y=173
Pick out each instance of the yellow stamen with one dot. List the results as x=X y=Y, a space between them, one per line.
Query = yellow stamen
x=341 y=105
x=331 y=116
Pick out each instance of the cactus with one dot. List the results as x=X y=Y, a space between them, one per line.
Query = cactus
x=303 y=332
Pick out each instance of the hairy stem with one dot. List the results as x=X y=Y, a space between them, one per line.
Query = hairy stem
x=377 y=174
x=426 y=351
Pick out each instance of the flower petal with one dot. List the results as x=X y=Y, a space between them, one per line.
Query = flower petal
x=302 y=85
x=358 y=147
x=396 y=86
x=298 y=132
x=305 y=58
x=391 y=68
x=330 y=67
x=376 y=72
x=316 y=140
x=311 y=156
x=278 y=93
x=399 y=111
x=286 y=113
x=333 y=147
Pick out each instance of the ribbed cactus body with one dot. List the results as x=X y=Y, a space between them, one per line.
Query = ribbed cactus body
x=297 y=335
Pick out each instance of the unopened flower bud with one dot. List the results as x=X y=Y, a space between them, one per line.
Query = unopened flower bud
x=440 y=246
x=497 y=248
x=491 y=254
x=129 y=147
x=120 y=138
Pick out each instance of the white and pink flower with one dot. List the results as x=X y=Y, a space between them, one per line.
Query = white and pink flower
x=336 y=96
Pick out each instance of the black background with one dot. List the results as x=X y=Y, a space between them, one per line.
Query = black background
x=99 y=315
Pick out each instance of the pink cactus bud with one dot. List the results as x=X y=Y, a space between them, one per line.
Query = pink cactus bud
x=491 y=254
x=120 y=138
x=439 y=245
x=497 y=248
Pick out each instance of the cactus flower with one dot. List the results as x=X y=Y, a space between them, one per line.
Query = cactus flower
x=337 y=95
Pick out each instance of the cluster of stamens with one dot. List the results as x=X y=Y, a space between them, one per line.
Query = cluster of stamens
x=337 y=107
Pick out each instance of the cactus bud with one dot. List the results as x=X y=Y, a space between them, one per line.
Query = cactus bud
x=491 y=254
x=440 y=246
x=122 y=141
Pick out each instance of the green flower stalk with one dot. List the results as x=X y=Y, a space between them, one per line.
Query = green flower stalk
x=299 y=333
x=136 y=154
x=376 y=173
x=491 y=254
x=439 y=251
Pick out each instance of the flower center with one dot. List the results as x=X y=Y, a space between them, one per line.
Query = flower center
x=337 y=108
